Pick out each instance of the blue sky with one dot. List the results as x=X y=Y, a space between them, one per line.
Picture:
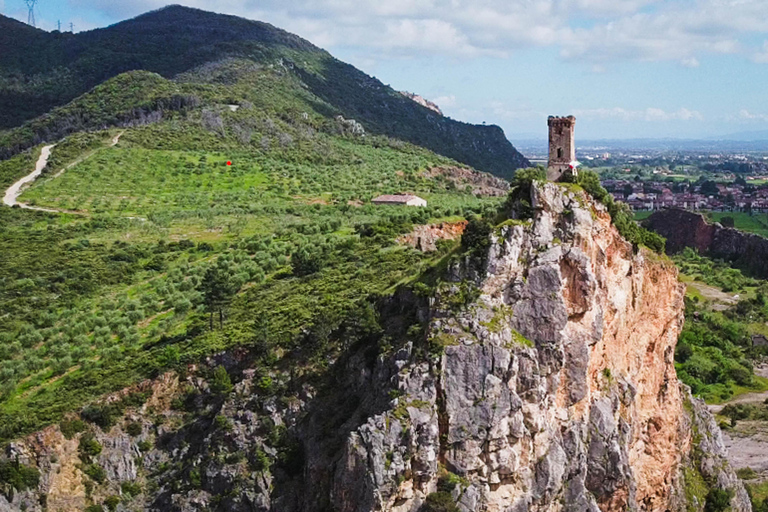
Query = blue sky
x=625 y=68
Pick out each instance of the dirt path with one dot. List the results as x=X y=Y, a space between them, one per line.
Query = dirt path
x=760 y=371
x=721 y=300
x=116 y=139
x=88 y=155
x=741 y=399
x=747 y=443
x=13 y=193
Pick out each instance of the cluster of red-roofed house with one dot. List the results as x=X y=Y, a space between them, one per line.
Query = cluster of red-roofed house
x=658 y=195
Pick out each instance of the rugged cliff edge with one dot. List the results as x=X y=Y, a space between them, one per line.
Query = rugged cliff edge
x=539 y=376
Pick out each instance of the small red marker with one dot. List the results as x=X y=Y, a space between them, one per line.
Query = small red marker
x=229 y=162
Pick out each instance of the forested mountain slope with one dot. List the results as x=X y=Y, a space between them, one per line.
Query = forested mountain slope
x=87 y=303
x=40 y=70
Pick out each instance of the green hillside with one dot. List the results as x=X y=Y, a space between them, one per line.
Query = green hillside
x=165 y=254
x=45 y=70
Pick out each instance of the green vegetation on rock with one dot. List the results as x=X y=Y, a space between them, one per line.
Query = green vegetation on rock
x=124 y=289
x=714 y=352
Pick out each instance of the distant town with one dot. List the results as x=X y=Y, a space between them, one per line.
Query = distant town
x=705 y=195
x=695 y=175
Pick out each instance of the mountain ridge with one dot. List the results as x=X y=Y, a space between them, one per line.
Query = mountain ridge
x=175 y=40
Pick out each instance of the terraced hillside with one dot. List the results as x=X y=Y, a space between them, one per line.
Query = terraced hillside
x=230 y=193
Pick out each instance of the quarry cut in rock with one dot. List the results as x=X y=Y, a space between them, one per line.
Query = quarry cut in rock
x=682 y=229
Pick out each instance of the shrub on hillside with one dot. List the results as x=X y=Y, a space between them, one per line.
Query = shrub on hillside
x=621 y=214
x=221 y=384
x=17 y=477
x=439 y=502
x=476 y=237
x=718 y=500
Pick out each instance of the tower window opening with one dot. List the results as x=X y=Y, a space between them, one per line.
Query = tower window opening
x=559 y=152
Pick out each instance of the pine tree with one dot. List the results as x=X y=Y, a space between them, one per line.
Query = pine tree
x=217 y=288
x=221 y=384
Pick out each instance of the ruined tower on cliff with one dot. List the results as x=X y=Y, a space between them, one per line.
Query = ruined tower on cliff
x=562 y=148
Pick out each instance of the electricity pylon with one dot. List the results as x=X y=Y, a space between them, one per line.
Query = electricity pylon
x=31 y=6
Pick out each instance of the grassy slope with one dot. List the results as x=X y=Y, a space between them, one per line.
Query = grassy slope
x=128 y=98
x=756 y=223
x=94 y=302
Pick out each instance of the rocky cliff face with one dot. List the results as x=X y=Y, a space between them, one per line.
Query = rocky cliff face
x=422 y=101
x=688 y=229
x=538 y=377
x=682 y=229
x=425 y=237
x=556 y=387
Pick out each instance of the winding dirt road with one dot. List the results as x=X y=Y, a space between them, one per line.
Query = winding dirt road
x=13 y=193
x=88 y=155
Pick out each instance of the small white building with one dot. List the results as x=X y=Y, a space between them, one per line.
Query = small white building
x=400 y=199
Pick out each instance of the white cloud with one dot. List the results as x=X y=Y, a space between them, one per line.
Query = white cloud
x=690 y=62
x=650 y=114
x=597 y=31
x=499 y=110
x=749 y=116
x=608 y=7
x=430 y=35
x=445 y=101
x=686 y=115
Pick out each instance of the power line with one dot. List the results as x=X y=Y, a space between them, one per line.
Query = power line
x=31 y=16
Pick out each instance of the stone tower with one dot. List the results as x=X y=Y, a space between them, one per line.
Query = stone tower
x=562 y=148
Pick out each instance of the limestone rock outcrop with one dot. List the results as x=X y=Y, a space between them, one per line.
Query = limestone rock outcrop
x=424 y=237
x=422 y=101
x=555 y=388
x=539 y=376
